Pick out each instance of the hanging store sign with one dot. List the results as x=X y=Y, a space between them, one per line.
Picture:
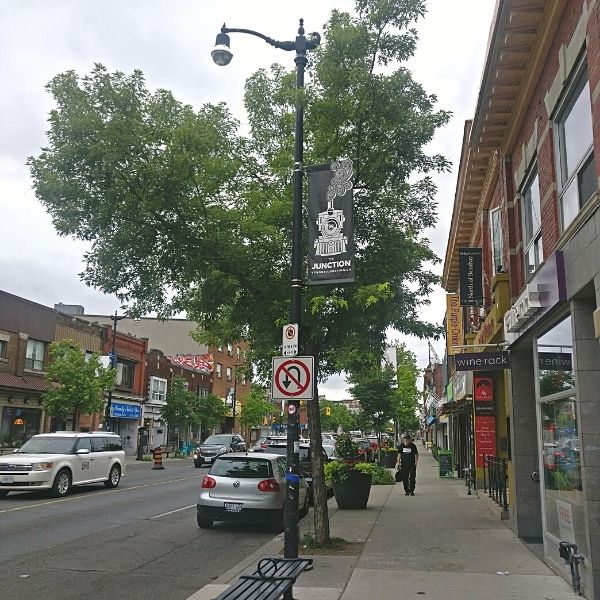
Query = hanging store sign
x=330 y=230
x=469 y=268
x=454 y=323
x=482 y=361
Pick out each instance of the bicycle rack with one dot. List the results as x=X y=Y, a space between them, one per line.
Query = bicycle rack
x=568 y=552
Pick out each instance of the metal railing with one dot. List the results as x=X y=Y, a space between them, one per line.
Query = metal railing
x=495 y=478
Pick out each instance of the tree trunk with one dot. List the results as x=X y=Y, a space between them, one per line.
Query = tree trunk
x=321 y=514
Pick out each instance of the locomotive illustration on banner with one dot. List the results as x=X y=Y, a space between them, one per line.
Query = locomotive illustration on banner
x=331 y=240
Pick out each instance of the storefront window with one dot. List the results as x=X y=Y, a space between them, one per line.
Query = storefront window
x=18 y=425
x=559 y=435
x=555 y=360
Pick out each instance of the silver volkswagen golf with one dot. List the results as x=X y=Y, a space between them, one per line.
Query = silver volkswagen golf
x=246 y=488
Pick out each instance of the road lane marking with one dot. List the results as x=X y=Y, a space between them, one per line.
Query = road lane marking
x=173 y=511
x=116 y=491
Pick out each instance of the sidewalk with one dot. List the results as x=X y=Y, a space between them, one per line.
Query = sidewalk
x=440 y=544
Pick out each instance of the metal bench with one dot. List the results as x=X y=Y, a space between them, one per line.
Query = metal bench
x=169 y=449
x=273 y=578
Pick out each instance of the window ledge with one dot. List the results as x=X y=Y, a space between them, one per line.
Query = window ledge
x=35 y=371
x=589 y=208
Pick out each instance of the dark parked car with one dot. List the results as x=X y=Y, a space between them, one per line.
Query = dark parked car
x=215 y=445
x=305 y=463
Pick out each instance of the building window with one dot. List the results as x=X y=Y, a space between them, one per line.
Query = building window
x=219 y=370
x=220 y=348
x=158 y=389
x=228 y=373
x=3 y=348
x=575 y=150
x=17 y=425
x=34 y=358
x=237 y=352
x=532 y=225
x=229 y=350
x=202 y=392
x=125 y=373
x=496 y=235
x=243 y=379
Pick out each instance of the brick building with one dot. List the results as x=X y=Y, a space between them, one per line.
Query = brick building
x=160 y=370
x=527 y=195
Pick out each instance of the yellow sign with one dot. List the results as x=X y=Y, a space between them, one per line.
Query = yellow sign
x=19 y=421
x=454 y=324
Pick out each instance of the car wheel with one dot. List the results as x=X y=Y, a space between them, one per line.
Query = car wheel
x=3 y=493
x=204 y=523
x=304 y=510
x=113 y=477
x=62 y=483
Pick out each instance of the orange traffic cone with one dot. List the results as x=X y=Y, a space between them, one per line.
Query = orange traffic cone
x=157 y=454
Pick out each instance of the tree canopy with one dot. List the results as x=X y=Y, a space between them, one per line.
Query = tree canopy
x=185 y=214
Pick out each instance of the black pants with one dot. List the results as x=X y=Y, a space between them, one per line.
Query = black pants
x=409 y=474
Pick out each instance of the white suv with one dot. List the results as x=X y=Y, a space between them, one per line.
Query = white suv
x=57 y=461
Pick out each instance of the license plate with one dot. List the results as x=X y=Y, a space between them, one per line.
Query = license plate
x=7 y=478
x=231 y=507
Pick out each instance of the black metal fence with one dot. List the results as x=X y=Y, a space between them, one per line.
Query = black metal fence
x=495 y=478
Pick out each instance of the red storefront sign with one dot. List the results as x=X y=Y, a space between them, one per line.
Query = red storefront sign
x=485 y=418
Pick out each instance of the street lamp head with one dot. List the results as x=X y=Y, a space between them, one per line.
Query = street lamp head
x=221 y=53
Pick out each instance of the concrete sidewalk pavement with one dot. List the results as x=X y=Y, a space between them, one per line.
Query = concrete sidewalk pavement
x=441 y=544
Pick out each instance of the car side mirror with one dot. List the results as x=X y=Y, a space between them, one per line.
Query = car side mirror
x=83 y=451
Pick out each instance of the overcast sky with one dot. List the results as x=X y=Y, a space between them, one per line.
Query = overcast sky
x=170 y=41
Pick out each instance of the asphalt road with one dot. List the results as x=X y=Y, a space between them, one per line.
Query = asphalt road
x=139 y=541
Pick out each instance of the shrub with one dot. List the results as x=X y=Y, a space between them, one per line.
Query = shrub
x=382 y=476
x=337 y=471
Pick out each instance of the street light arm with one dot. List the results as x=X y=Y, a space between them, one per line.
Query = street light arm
x=310 y=43
x=289 y=46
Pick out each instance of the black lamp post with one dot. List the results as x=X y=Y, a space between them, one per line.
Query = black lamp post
x=222 y=56
x=113 y=363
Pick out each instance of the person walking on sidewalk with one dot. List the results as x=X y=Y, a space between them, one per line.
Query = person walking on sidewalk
x=409 y=456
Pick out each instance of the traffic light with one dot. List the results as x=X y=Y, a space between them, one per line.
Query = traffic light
x=328 y=411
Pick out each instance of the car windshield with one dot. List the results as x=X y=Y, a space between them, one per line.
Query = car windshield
x=218 y=439
x=48 y=445
x=242 y=468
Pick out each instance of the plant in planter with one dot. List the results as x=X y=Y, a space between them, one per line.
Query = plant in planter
x=389 y=457
x=351 y=478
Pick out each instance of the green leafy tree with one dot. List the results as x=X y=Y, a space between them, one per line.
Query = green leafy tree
x=339 y=416
x=208 y=411
x=178 y=222
x=178 y=411
x=255 y=408
x=406 y=395
x=373 y=388
x=74 y=384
